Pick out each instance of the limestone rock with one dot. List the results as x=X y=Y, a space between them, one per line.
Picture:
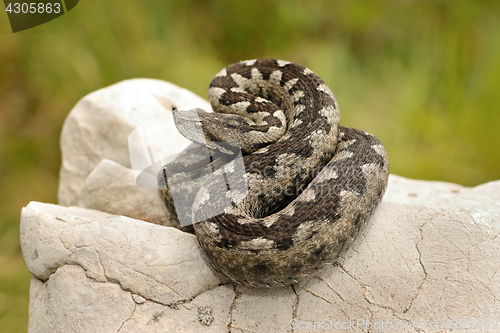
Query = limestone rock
x=98 y=129
x=429 y=255
x=111 y=188
x=411 y=264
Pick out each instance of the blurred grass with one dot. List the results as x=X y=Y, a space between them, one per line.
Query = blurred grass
x=424 y=76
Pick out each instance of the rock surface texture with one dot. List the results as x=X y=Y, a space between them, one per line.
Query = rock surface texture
x=428 y=261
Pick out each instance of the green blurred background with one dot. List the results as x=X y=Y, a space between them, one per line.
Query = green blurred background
x=424 y=76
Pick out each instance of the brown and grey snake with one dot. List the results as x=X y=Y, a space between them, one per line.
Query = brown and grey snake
x=312 y=184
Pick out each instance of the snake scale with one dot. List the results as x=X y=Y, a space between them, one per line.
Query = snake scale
x=312 y=184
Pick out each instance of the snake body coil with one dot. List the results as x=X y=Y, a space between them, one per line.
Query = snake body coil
x=312 y=184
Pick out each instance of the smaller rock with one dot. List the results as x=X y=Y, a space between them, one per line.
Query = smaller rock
x=99 y=127
x=111 y=188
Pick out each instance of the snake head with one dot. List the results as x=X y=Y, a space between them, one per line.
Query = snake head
x=192 y=124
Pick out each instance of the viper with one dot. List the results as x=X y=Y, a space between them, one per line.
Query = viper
x=282 y=189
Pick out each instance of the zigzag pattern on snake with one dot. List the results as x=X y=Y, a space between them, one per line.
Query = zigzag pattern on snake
x=312 y=184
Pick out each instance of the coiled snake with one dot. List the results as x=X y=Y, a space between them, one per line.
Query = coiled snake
x=312 y=184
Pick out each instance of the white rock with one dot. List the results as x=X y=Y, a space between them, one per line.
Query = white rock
x=430 y=253
x=111 y=188
x=99 y=126
x=410 y=264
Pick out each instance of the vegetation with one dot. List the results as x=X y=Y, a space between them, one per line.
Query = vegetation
x=424 y=76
